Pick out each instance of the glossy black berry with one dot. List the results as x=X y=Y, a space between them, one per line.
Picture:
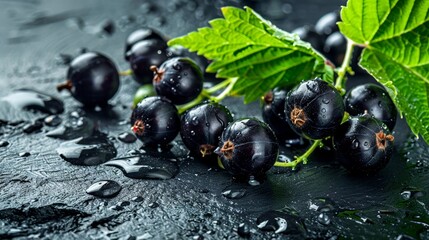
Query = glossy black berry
x=314 y=109
x=273 y=109
x=202 y=127
x=327 y=24
x=178 y=79
x=155 y=120
x=143 y=55
x=363 y=144
x=335 y=48
x=248 y=147
x=374 y=100
x=92 y=79
x=141 y=35
x=308 y=34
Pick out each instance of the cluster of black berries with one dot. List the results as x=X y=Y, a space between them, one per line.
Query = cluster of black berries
x=315 y=110
x=246 y=147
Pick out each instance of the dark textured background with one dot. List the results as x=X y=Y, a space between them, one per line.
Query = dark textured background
x=42 y=196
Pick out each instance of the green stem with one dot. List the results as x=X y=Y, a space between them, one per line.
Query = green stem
x=303 y=158
x=228 y=84
x=219 y=86
x=190 y=104
x=345 y=66
x=225 y=92
x=127 y=72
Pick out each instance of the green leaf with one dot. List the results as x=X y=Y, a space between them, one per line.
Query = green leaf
x=245 y=46
x=396 y=36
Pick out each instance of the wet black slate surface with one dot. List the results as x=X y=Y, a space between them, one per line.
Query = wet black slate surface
x=43 y=196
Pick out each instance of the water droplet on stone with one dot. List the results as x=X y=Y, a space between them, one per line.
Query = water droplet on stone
x=127 y=137
x=26 y=99
x=74 y=127
x=322 y=205
x=123 y=204
x=52 y=120
x=145 y=167
x=233 y=192
x=24 y=154
x=137 y=199
x=32 y=127
x=87 y=151
x=253 y=182
x=104 y=189
x=243 y=230
x=153 y=205
x=4 y=143
x=281 y=222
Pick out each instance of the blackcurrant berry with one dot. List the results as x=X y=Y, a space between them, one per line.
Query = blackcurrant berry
x=314 y=109
x=202 y=127
x=327 y=24
x=143 y=55
x=308 y=34
x=273 y=114
x=335 y=48
x=178 y=79
x=140 y=35
x=363 y=144
x=155 y=120
x=92 y=79
x=248 y=147
x=374 y=100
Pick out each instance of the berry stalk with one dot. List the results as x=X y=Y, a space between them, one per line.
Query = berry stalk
x=226 y=85
x=340 y=83
x=303 y=158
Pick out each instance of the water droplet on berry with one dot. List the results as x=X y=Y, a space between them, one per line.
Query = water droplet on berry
x=324 y=219
x=312 y=86
x=177 y=67
x=366 y=145
x=355 y=144
x=326 y=101
x=195 y=121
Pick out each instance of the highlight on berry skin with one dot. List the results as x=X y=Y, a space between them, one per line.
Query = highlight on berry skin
x=314 y=109
x=155 y=121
